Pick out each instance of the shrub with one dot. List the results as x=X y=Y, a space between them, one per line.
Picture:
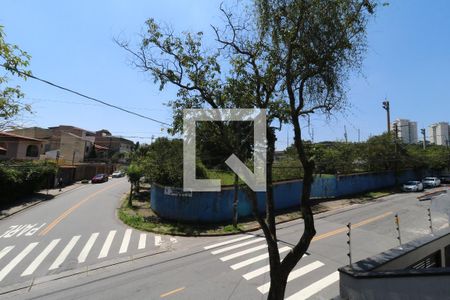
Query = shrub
x=23 y=178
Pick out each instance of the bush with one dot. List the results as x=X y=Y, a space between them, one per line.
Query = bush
x=23 y=178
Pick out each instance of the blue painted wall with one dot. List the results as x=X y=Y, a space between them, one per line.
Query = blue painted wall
x=210 y=207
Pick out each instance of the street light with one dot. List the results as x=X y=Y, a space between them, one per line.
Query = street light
x=386 y=107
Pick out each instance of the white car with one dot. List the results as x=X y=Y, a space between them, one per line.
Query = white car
x=431 y=182
x=413 y=186
x=118 y=174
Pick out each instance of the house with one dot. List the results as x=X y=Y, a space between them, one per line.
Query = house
x=115 y=144
x=13 y=146
x=68 y=144
x=71 y=144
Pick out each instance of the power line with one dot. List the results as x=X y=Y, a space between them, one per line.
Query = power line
x=87 y=97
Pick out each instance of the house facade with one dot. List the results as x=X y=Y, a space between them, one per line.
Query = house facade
x=67 y=144
x=115 y=144
x=18 y=147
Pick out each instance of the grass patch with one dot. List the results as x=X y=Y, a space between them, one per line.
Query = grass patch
x=227 y=178
x=141 y=217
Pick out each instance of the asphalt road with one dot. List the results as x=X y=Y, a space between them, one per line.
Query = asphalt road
x=77 y=229
x=235 y=267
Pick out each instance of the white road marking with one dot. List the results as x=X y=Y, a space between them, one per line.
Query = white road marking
x=5 y=251
x=243 y=252
x=87 y=248
x=173 y=240
x=256 y=259
x=142 y=240
x=229 y=242
x=34 y=230
x=257 y=272
x=40 y=258
x=5 y=271
x=26 y=229
x=19 y=230
x=63 y=255
x=125 y=241
x=158 y=240
x=293 y=275
x=237 y=246
x=107 y=244
x=315 y=287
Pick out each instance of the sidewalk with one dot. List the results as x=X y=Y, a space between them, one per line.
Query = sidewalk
x=26 y=202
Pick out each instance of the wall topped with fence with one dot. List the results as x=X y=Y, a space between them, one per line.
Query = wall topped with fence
x=211 y=207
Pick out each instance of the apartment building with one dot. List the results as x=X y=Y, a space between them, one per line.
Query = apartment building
x=439 y=133
x=407 y=130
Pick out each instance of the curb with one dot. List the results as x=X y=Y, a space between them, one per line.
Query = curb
x=38 y=202
x=318 y=215
x=428 y=196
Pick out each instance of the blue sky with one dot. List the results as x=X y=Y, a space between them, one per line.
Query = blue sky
x=71 y=43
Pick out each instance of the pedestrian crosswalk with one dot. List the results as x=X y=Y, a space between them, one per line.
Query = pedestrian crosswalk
x=248 y=255
x=52 y=255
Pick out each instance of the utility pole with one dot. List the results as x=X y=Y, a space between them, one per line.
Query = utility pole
x=345 y=134
x=359 y=136
x=387 y=108
x=424 y=140
x=287 y=139
x=396 y=153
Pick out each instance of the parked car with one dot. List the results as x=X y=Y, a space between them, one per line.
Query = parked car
x=431 y=182
x=99 y=178
x=118 y=174
x=413 y=186
x=445 y=178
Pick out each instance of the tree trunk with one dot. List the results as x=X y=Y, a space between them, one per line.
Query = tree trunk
x=277 y=285
x=235 y=201
x=137 y=187
x=130 y=198
x=270 y=207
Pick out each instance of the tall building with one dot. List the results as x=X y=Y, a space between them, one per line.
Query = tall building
x=439 y=133
x=407 y=130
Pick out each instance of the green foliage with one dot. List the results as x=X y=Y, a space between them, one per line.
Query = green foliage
x=162 y=162
x=12 y=58
x=378 y=153
x=437 y=157
x=23 y=178
x=134 y=172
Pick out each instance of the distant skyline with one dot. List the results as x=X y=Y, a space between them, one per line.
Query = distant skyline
x=71 y=44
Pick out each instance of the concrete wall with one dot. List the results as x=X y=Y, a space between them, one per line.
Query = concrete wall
x=389 y=275
x=218 y=206
x=419 y=287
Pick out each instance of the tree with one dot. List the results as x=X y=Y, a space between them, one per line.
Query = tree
x=380 y=154
x=134 y=172
x=11 y=59
x=316 y=44
x=289 y=57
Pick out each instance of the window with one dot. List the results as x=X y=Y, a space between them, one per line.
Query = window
x=32 y=151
